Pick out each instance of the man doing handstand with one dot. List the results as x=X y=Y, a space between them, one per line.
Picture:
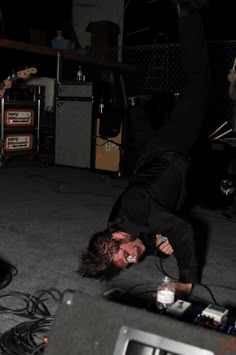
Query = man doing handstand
x=149 y=207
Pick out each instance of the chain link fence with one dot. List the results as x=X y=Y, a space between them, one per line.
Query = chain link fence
x=154 y=68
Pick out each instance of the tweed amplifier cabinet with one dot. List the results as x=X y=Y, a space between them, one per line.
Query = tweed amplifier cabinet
x=107 y=155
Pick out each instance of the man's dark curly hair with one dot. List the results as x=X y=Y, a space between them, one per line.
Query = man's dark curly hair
x=96 y=260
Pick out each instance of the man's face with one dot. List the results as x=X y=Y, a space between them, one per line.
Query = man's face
x=129 y=252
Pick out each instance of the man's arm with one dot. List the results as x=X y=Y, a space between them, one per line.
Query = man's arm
x=180 y=235
x=232 y=84
x=151 y=219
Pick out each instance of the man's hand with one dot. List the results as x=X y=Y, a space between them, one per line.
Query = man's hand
x=7 y=85
x=164 y=247
x=182 y=290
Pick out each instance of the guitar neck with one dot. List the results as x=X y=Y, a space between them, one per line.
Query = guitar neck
x=23 y=74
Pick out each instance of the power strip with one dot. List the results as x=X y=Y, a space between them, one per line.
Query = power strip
x=179 y=308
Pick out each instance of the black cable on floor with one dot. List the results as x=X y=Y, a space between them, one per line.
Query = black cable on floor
x=31 y=305
x=27 y=338
x=7 y=272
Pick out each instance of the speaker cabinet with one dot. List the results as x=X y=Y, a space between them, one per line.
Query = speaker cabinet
x=92 y=325
x=73 y=133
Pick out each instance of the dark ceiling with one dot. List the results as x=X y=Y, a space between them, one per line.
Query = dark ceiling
x=144 y=20
x=19 y=16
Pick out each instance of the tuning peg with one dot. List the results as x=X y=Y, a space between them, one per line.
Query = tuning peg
x=13 y=75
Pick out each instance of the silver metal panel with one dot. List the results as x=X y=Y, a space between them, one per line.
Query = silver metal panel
x=73 y=134
x=79 y=90
x=153 y=344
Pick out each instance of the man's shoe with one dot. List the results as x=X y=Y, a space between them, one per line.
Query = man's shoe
x=200 y=4
x=192 y=5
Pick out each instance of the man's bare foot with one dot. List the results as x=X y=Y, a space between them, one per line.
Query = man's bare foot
x=182 y=290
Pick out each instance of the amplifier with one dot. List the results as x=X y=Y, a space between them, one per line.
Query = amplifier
x=73 y=134
x=76 y=90
x=18 y=142
x=18 y=117
x=107 y=155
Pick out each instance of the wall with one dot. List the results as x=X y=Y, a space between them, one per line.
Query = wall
x=85 y=11
x=19 y=17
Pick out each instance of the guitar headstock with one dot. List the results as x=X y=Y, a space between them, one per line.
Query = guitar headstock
x=24 y=74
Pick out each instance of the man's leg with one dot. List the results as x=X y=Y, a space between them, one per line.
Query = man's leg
x=190 y=111
x=184 y=125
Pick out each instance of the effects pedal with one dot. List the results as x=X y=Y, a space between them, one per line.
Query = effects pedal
x=217 y=313
x=213 y=316
x=179 y=309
